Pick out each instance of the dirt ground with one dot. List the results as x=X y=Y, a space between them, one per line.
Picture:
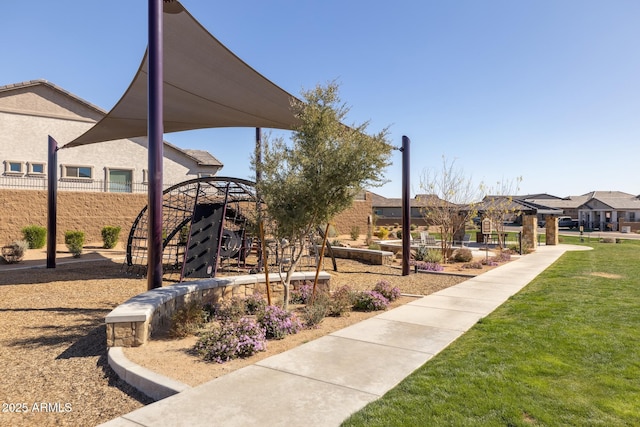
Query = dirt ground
x=52 y=337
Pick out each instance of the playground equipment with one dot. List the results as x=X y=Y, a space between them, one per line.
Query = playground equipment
x=206 y=222
x=209 y=227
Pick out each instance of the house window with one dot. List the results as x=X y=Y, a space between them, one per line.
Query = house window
x=145 y=176
x=119 y=180
x=36 y=168
x=13 y=168
x=82 y=172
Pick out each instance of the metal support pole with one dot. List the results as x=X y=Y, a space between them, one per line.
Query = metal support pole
x=52 y=202
x=155 y=131
x=406 y=206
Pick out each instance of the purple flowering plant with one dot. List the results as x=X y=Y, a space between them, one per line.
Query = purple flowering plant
x=370 y=301
x=232 y=340
x=278 y=323
x=384 y=288
x=427 y=266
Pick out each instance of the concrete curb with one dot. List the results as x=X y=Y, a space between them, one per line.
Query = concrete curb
x=150 y=383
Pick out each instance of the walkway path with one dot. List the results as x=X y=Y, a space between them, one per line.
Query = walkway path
x=324 y=381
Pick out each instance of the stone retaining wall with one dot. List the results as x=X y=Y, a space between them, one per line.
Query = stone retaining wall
x=370 y=256
x=132 y=323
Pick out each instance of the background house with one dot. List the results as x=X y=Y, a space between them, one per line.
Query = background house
x=32 y=110
x=599 y=210
x=100 y=184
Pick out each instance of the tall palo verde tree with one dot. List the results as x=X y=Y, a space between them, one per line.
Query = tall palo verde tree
x=306 y=181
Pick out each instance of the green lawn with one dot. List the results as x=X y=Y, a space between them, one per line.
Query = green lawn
x=565 y=351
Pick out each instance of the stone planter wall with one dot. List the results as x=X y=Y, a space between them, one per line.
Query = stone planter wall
x=132 y=323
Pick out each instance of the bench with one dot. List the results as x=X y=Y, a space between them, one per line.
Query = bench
x=132 y=322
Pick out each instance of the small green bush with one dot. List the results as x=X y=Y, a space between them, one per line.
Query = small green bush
x=74 y=241
x=412 y=227
x=462 y=255
x=433 y=255
x=374 y=247
x=35 y=235
x=355 y=233
x=110 y=236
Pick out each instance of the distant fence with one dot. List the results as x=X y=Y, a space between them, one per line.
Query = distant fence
x=71 y=184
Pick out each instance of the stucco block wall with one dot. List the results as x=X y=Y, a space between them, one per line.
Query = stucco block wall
x=356 y=216
x=88 y=212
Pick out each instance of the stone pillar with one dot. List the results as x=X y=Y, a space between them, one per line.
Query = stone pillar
x=530 y=231
x=459 y=227
x=551 y=228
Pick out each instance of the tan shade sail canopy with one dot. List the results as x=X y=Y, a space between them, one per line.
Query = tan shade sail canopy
x=205 y=86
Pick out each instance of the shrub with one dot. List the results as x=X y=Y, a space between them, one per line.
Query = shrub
x=433 y=256
x=74 y=241
x=399 y=233
x=278 y=323
x=302 y=294
x=473 y=265
x=355 y=232
x=15 y=251
x=503 y=256
x=255 y=304
x=187 y=319
x=370 y=301
x=385 y=289
x=110 y=236
x=427 y=266
x=231 y=310
x=341 y=301
x=35 y=235
x=462 y=255
x=421 y=253
x=333 y=232
x=315 y=312
x=231 y=340
x=374 y=247
x=382 y=233
x=412 y=227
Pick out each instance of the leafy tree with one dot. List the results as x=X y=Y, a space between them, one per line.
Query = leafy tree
x=448 y=203
x=309 y=180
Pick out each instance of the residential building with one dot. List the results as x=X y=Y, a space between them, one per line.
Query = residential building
x=599 y=210
x=33 y=110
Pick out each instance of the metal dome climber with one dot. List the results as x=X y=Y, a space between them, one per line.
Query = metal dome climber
x=206 y=221
x=210 y=227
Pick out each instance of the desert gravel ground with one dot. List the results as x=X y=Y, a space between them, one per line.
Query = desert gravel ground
x=52 y=339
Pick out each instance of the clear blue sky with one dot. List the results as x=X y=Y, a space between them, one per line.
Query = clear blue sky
x=548 y=90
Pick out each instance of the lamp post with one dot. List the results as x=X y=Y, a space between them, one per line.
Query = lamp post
x=406 y=206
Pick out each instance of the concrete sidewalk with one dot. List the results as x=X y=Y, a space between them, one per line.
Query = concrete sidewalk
x=322 y=382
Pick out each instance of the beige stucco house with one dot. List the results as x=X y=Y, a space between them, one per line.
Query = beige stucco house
x=31 y=111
